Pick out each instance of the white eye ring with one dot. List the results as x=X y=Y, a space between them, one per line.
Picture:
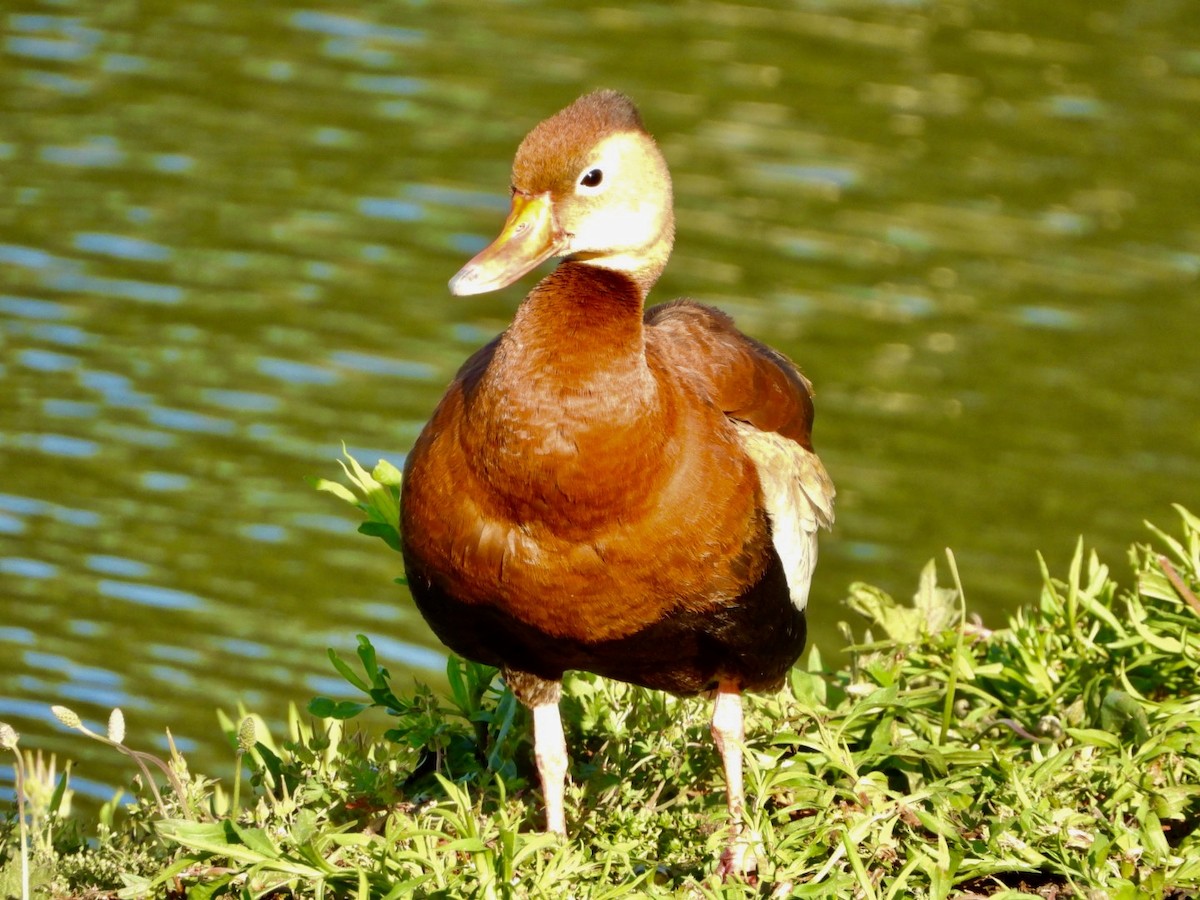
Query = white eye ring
x=591 y=181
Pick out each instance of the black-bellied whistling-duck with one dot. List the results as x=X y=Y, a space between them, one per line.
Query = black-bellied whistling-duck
x=624 y=491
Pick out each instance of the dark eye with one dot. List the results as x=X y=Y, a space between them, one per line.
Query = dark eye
x=592 y=178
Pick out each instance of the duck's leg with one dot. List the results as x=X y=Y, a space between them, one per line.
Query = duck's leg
x=550 y=751
x=549 y=745
x=728 y=734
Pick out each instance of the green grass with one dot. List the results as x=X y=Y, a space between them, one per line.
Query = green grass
x=1059 y=756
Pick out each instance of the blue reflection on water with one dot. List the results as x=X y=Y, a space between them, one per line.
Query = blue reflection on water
x=328 y=136
x=172 y=163
x=23 y=505
x=863 y=550
x=46 y=48
x=116 y=565
x=12 y=707
x=358 y=51
x=165 y=481
x=27 y=307
x=245 y=401
x=295 y=372
x=31 y=507
x=381 y=612
x=338 y=25
x=386 y=84
x=67 y=26
x=58 y=444
x=59 y=83
x=103 y=695
x=389 y=208
x=1069 y=106
x=149 y=594
x=394 y=109
x=331 y=524
x=319 y=269
x=912 y=304
x=448 y=196
x=383 y=365
x=68 y=335
x=470 y=333
x=245 y=648
x=1062 y=221
x=173 y=653
x=46 y=360
x=89 y=787
x=69 y=409
x=828 y=174
x=909 y=238
x=26 y=568
x=1049 y=317
x=28 y=258
x=96 y=152
x=139 y=437
x=54 y=662
x=121 y=288
x=467 y=243
x=186 y=420
x=172 y=675
x=84 y=627
x=124 y=63
x=267 y=534
x=121 y=246
x=114 y=387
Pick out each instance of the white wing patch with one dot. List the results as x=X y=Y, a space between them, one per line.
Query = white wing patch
x=798 y=495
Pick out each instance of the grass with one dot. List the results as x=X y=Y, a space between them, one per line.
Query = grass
x=1057 y=757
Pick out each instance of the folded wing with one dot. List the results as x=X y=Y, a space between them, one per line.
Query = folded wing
x=770 y=407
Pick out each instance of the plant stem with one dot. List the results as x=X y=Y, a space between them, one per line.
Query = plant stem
x=19 y=771
x=952 y=678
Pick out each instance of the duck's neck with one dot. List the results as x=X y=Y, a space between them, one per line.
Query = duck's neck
x=578 y=333
x=568 y=406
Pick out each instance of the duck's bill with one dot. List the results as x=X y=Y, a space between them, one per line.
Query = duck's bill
x=528 y=238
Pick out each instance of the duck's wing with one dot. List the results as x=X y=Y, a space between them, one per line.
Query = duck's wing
x=749 y=381
x=770 y=406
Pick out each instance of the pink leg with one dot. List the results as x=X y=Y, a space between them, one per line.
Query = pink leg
x=728 y=734
x=550 y=751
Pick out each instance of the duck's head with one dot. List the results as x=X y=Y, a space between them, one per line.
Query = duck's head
x=588 y=184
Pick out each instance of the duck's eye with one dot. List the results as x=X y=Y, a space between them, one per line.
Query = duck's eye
x=592 y=178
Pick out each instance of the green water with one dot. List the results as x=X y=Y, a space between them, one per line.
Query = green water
x=226 y=230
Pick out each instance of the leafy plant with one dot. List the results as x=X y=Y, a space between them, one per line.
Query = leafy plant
x=377 y=497
x=1058 y=756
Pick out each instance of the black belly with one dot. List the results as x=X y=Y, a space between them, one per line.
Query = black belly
x=752 y=641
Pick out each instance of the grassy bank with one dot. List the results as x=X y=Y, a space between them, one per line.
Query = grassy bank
x=1059 y=756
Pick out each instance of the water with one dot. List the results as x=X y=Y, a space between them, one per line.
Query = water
x=225 y=232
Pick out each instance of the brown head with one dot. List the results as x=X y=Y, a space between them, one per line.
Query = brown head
x=588 y=184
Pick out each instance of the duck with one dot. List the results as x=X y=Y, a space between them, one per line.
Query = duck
x=611 y=488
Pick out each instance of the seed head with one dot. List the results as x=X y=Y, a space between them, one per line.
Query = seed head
x=246 y=737
x=66 y=716
x=116 y=726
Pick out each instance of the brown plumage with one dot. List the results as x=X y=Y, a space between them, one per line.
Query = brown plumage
x=602 y=488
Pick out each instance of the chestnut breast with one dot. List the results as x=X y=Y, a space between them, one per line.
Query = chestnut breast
x=586 y=489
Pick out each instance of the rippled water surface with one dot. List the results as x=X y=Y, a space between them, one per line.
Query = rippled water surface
x=226 y=229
